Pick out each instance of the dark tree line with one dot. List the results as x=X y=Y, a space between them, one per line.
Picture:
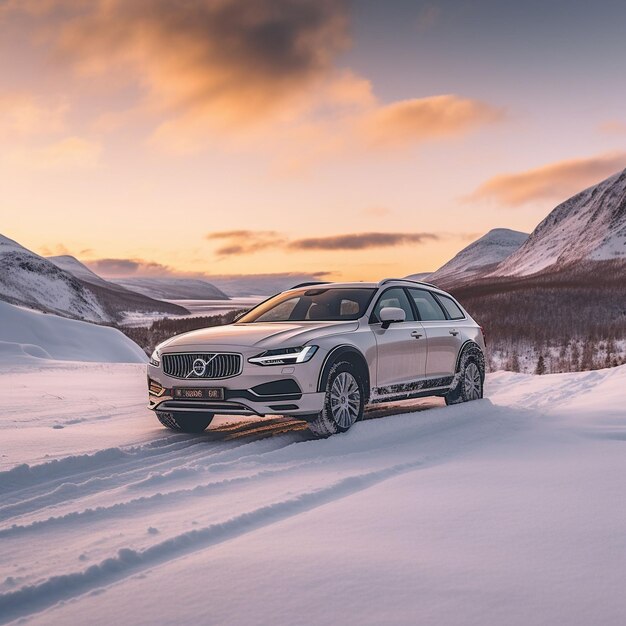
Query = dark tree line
x=148 y=337
x=570 y=320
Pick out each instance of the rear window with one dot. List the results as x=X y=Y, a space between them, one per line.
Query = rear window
x=451 y=307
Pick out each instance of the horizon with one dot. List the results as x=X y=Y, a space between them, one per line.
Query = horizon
x=332 y=139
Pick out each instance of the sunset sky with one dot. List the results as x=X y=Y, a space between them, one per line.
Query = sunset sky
x=360 y=140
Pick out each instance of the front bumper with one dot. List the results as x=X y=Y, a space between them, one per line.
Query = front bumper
x=255 y=392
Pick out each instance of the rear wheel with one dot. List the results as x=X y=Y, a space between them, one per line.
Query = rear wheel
x=185 y=422
x=343 y=404
x=468 y=381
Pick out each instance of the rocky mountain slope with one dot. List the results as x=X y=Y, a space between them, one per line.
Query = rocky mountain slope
x=590 y=226
x=31 y=280
x=116 y=299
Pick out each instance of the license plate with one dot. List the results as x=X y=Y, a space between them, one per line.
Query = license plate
x=199 y=393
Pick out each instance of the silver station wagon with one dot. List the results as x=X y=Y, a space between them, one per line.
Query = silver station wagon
x=321 y=352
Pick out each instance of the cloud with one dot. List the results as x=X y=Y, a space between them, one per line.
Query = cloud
x=409 y=121
x=231 y=61
x=249 y=242
x=360 y=241
x=245 y=241
x=554 y=181
x=613 y=127
x=262 y=76
x=56 y=250
x=68 y=154
x=23 y=115
x=128 y=267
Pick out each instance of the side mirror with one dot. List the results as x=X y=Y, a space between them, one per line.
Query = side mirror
x=390 y=314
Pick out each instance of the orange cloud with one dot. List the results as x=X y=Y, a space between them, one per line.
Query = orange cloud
x=613 y=127
x=250 y=241
x=241 y=74
x=554 y=181
x=68 y=154
x=409 y=121
x=245 y=241
x=23 y=115
x=231 y=61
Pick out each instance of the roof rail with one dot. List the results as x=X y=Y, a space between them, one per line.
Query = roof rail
x=310 y=283
x=405 y=280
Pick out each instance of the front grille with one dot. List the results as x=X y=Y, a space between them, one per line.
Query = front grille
x=202 y=365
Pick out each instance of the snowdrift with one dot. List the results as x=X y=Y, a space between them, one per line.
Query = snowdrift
x=29 y=335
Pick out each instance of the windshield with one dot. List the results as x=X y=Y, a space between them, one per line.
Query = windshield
x=323 y=304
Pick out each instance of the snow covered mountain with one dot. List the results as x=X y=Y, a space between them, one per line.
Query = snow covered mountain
x=31 y=280
x=117 y=299
x=590 y=226
x=173 y=288
x=419 y=276
x=75 y=267
x=480 y=257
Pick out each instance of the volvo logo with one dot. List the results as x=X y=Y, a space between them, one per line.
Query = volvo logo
x=198 y=367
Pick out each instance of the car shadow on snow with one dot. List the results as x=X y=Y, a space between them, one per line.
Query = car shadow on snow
x=262 y=428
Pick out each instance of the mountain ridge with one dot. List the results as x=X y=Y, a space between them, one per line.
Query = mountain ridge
x=588 y=227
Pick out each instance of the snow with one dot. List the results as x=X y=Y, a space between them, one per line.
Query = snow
x=30 y=335
x=480 y=256
x=509 y=510
x=173 y=288
x=29 y=279
x=75 y=267
x=590 y=226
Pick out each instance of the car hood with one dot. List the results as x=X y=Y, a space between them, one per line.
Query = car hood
x=259 y=335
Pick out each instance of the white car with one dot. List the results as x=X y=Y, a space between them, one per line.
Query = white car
x=321 y=352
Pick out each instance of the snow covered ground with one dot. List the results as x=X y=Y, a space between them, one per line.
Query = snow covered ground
x=29 y=336
x=510 y=510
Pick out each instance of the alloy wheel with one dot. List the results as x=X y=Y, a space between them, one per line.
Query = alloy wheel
x=345 y=400
x=471 y=382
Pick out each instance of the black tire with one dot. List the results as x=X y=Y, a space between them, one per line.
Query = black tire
x=343 y=403
x=185 y=422
x=469 y=379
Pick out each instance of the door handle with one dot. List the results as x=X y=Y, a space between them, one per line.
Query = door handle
x=416 y=334
x=454 y=332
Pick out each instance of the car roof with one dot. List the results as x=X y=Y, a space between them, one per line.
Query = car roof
x=367 y=285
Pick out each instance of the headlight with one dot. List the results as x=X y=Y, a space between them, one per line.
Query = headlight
x=285 y=356
x=155 y=359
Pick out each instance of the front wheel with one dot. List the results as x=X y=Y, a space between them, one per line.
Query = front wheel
x=468 y=381
x=343 y=403
x=185 y=422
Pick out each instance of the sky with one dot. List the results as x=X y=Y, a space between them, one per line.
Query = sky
x=345 y=140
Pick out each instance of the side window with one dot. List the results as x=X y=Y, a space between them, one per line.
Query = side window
x=397 y=297
x=427 y=307
x=451 y=307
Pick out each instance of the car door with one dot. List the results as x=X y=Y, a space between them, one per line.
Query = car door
x=443 y=339
x=401 y=348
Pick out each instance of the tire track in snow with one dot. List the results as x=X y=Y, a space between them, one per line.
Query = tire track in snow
x=37 y=597
x=135 y=470
x=134 y=505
